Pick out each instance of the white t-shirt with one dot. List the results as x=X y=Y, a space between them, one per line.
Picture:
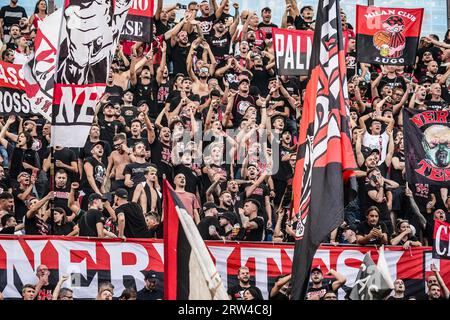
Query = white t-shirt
x=379 y=142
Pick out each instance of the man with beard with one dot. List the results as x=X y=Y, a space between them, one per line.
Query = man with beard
x=372 y=231
x=160 y=84
x=251 y=221
x=6 y=202
x=134 y=172
x=262 y=67
x=188 y=199
x=220 y=40
x=94 y=137
x=23 y=192
x=266 y=25
x=399 y=290
x=136 y=135
x=237 y=292
x=113 y=91
x=9 y=15
x=184 y=97
x=191 y=173
x=180 y=50
x=109 y=126
x=208 y=226
x=93 y=177
x=62 y=189
x=207 y=18
x=281 y=177
x=434 y=292
x=161 y=152
x=91 y=223
x=259 y=191
x=319 y=288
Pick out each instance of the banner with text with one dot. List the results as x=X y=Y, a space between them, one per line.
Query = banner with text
x=387 y=35
x=138 y=26
x=441 y=248
x=293 y=51
x=427 y=146
x=86 y=48
x=13 y=99
x=93 y=261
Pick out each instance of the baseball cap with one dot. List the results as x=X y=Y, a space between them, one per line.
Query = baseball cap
x=316 y=269
x=121 y=193
x=425 y=79
x=375 y=150
x=209 y=205
x=22 y=174
x=244 y=80
x=151 y=275
x=94 y=196
x=350 y=227
x=99 y=142
x=229 y=216
x=108 y=104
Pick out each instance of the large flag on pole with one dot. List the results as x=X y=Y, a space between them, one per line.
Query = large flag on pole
x=189 y=272
x=39 y=71
x=90 y=31
x=324 y=156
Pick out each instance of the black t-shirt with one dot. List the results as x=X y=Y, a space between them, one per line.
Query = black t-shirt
x=63 y=229
x=161 y=28
x=220 y=46
x=398 y=81
x=142 y=92
x=206 y=25
x=11 y=16
x=87 y=223
x=436 y=105
x=67 y=156
x=384 y=211
x=284 y=170
x=135 y=226
x=160 y=94
x=311 y=292
x=364 y=229
x=237 y=292
x=99 y=171
x=255 y=234
x=179 y=56
x=267 y=28
x=86 y=151
x=20 y=209
x=261 y=80
x=137 y=171
x=36 y=226
x=396 y=175
x=46 y=292
x=62 y=198
x=129 y=113
x=109 y=129
x=205 y=225
x=145 y=294
x=17 y=157
x=241 y=105
x=161 y=156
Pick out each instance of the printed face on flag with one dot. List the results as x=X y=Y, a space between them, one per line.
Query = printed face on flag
x=427 y=145
x=387 y=35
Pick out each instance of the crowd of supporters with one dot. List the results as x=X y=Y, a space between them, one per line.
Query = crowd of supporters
x=202 y=105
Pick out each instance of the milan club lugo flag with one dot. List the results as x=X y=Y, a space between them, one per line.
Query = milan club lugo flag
x=39 y=71
x=427 y=146
x=139 y=20
x=189 y=271
x=324 y=157
x=90 y=31
x=441 y=248
x=293 y=51
x=387 y=35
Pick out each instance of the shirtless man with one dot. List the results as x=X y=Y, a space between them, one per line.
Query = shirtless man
x=117 y=161
x=200 y=77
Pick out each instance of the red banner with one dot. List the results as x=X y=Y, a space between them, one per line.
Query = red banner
x=441 y=249
x=93 y=261
x=13 y=99
x=387 y=35
x=293 y=51
x=138 y=24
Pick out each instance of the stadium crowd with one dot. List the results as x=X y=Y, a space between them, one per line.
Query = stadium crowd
x=203 y=106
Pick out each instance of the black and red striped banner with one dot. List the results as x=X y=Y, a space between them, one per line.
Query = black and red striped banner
x=138 y=24
x=387 y=35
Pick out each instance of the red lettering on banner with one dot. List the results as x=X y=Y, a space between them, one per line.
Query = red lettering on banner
x=430 y=117
x=427 y=170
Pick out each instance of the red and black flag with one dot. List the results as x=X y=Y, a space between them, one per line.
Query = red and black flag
x=139 y=23
x=324 y=157
x=292 y=50
x=441 y=237
x=387 y=35
x=189 y=272
x=427 y=146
